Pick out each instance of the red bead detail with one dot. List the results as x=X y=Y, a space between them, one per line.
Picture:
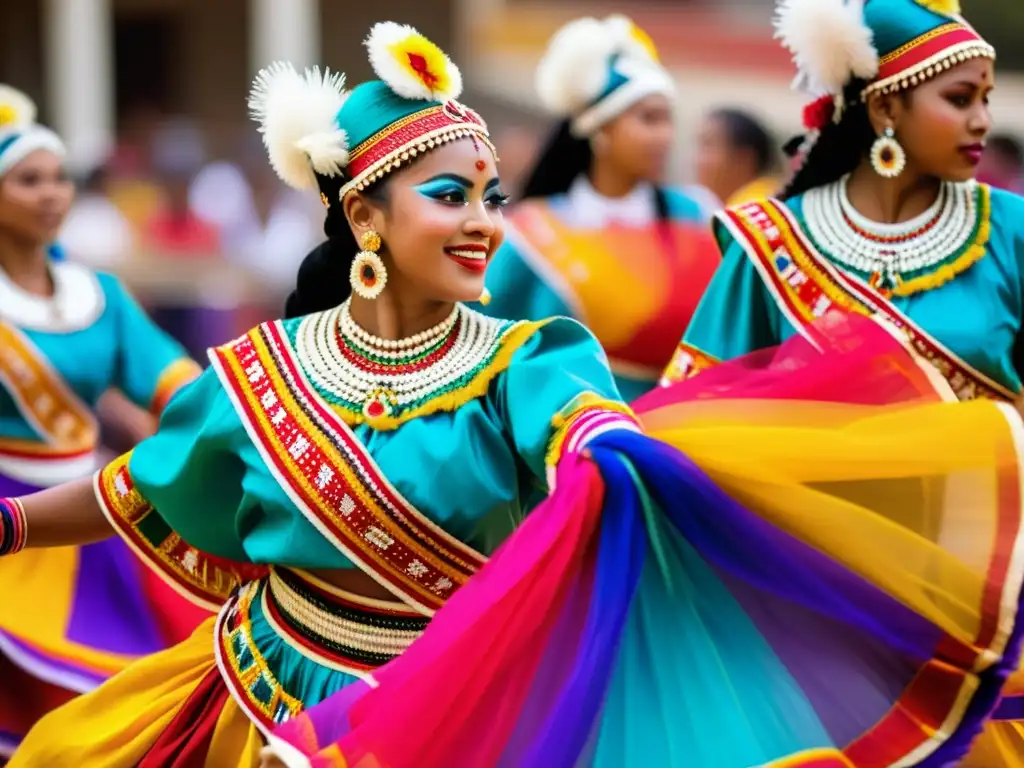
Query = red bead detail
x=375 y=409
x=480 y=165
x=896 y=239
x=372 y=366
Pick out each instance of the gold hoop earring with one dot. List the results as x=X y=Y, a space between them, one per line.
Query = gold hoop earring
x=368 y=275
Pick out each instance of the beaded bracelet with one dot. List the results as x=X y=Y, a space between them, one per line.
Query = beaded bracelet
x=13 y=528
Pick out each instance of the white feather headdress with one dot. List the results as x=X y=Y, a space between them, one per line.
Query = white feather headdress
x=574 y=69
x=830 y=43
x=16 y=109
x=296 y=115
x=411 y=65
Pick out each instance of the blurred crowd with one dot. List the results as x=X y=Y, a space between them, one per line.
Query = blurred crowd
x=163 y=194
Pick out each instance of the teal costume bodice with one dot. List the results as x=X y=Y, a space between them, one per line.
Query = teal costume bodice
x=475 y=470
x=977 y=314
x=95 y=336
x=634 y=281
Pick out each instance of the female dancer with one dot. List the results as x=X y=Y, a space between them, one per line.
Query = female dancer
x=598 y=238
x=374 y=452
x=69 y=618
x=884 y=217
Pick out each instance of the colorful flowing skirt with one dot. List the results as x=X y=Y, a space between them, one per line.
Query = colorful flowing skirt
x=812 y=558
x=72 y=617
x=281 y=643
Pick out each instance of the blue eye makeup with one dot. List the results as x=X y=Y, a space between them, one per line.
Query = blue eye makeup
x=455 y=190
x=446 y=189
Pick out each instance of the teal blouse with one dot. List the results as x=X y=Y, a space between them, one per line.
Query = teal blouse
x=977 y=315
x=95 y=336
x=475 y=471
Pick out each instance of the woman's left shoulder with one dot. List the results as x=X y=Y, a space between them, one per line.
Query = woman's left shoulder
x=553 y=338
x=1007 y=208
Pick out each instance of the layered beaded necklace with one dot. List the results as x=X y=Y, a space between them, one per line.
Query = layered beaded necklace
x=378 y=378
x=891 y=254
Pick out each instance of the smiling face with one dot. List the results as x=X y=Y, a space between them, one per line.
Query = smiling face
x=440 y=222
x=943 y=123
x=35 y=196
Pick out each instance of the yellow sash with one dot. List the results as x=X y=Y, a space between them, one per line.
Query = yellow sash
x=65 y=424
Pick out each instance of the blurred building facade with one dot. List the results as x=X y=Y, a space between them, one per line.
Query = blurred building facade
x=100 y=66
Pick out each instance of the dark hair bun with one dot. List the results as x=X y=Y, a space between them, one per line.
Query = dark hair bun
x=323 y=281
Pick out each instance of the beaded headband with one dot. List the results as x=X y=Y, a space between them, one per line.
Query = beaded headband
x=410 y=137
x=928 y=55
x=892 y=44
x=312 y=127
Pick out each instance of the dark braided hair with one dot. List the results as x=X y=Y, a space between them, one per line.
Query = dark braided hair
x=323 y=280
x=840 y=146
x=563 y=158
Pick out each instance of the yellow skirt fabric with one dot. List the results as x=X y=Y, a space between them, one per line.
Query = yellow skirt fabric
x=115 y=725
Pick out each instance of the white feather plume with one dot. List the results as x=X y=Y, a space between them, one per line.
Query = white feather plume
x=296 y=115
x=574 y=70
x=388 y=45
x=829 y=40
x=19 y=110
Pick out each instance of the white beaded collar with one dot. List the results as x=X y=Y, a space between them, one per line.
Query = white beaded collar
x=77 y=301
x=587 y=208
x=891 y=251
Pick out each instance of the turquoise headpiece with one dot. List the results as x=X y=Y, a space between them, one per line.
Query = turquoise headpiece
x=20 y=135
x=891 y=44
x=594 y=70
x=917 y=39
x=311 y=126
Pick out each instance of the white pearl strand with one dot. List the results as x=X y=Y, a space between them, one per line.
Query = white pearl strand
x=318 y=350
x=825 y=207
x=394 y=349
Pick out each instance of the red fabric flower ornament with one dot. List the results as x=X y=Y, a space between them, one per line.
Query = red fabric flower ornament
x=819 y=113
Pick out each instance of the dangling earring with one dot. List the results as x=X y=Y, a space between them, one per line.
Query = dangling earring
x=887 y=156
x=368 y=275
x=485 y=298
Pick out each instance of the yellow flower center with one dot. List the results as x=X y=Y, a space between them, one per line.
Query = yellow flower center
x=8 y=115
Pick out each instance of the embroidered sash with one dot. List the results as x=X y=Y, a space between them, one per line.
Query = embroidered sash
x=805 y=285
x=44 y=400
x=329 y=475
x=203 y=579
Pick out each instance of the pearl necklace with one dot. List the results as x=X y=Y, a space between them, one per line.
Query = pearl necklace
x=887 y=252
x=361 y=377
x=395 y=348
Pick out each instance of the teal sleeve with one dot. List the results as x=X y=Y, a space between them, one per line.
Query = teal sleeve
x=145 y=351
x=559 y=367
x=517 y=291
x=735 y=317
x=190 y=470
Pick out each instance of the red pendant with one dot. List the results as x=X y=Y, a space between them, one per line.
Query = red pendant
x=375 y=409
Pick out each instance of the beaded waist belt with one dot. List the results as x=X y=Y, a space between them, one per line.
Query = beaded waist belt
x=338 y=627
